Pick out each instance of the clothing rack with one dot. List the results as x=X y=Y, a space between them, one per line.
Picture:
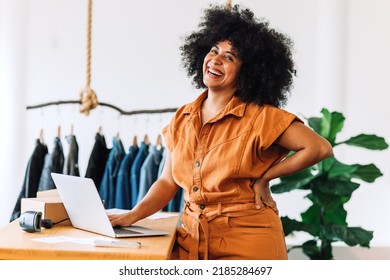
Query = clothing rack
x=105 y=104
x=44 y=162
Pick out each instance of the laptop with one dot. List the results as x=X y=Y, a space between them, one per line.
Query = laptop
x=86 y=211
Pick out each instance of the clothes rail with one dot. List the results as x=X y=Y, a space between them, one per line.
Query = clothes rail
x=104 y=104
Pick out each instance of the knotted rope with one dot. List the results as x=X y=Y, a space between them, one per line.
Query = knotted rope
x=88 y=98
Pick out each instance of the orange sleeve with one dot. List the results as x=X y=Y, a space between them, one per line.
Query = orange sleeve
x=170 y=131
x=271 y=123
x=168 y=135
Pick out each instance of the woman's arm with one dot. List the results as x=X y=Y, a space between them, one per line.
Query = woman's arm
x=159 y=195
x=309 y=148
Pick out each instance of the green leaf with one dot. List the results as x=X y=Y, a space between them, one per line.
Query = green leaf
x=340 y=169
x=336 y=187
x=331 y=125
x=297 y=176
x=368 y=141
x=315 y=124
x=293 y=184
x=352 y=236
x=310 y=249
x=327 y=163
x=358 y=236
x=313 y=251
x=368 y=173
x=337 y=216
x=325 y=123
x=311 y=217
x=291 y=225
x=316 y=215
x=328 y=201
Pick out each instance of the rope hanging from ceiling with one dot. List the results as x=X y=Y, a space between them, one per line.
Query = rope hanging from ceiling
x=88 y=98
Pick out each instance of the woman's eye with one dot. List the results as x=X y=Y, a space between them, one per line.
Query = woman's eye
x=228 y=57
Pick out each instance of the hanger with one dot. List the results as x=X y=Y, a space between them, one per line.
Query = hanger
x=146 y=139
x=100 y=130
x=159 y=142
x=71 y=129
x=41 y=136
x=59 y=131
x=135 y=141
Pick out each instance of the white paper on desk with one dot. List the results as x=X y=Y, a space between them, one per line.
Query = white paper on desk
x=114 y=211
x=60 y=239
x=155 y=216
x=160 y=215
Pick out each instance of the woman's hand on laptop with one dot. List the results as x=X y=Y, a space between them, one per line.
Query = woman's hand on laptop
x=125 y=219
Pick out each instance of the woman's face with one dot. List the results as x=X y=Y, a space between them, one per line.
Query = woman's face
x=221 y=67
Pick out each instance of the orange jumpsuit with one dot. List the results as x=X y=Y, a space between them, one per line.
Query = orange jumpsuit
x=216 y=165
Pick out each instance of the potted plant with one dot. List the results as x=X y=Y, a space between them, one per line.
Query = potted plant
x=330 y=184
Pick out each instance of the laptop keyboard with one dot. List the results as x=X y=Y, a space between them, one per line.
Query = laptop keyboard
x=119 y=230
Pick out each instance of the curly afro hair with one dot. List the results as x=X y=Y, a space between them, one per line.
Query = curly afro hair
x=267 y=67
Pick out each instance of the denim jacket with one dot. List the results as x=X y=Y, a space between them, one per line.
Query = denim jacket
x=108 y=183
x=123 y=184
x=149 y=171
x=136 y=170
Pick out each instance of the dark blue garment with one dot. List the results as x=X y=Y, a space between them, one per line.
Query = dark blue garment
x=97 y=160
x=108 y=184
x=136 y=171
x=149 y=171
x=32 y=176
x=161 y=167
x=177 y=202
x=71 y=166
x=123 y=184
x=54 y=162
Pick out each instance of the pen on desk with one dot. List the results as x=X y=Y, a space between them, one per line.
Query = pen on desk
x=116 y=243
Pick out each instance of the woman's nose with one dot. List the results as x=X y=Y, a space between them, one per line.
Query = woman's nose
x=217 y=59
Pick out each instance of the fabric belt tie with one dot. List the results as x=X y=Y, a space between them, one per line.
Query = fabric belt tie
x=203 y=217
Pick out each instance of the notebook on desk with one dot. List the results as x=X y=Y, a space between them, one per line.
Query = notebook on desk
x=86 y=210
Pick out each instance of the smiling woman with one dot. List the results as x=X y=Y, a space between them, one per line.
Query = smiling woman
x=227 y=145
x=42 y=58
x=221 y=68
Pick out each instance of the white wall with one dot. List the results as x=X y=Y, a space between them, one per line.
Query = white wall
x=12 y=94
x=367 y=96
x=136 y=65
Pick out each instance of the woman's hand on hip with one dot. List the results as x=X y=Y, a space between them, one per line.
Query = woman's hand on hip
x=263 y=194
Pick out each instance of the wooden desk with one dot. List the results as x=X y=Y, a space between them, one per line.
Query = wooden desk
x=16 y=244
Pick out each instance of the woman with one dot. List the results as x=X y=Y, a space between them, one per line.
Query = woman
x=227 y=145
